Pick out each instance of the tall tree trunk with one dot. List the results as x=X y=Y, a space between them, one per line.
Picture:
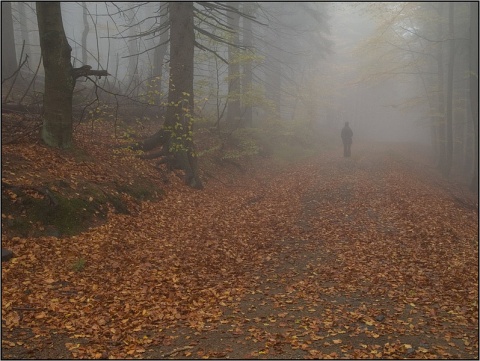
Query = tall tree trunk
x=132 y=45
x=9 y=58
x=449 y=100
x=86 y=29
x=159 y=57
x=233 y=108
x=273 y=75
x=59 y=82
x=441 y=97
x=179 y=116
x=24 y=28
x=467 y=135
x=249 y=9
x=433 y=119
x=474 y=87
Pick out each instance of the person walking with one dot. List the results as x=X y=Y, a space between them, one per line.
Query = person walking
x=347 y=135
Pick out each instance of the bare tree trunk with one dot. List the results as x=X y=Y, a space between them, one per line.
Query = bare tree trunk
x=474 y=88
x=467 y=135
x=273 y=79
x=9 y=58
x=247 y=69
x=433 y=120
x=175 y=136
x=179 y=121
x=24 y=27
x=233 y=110
x=59 y=82
x=441 y=98
x=159 y=57
x=132 y=44
x=86 y=29
x=449 y=105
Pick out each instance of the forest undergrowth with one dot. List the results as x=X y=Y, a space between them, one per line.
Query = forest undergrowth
x=366 y=257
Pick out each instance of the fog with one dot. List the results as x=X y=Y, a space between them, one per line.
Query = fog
x=372 y=108
x=378 y=66
x=239 y=180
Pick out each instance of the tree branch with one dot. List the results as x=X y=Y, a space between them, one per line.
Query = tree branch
x=86 y=70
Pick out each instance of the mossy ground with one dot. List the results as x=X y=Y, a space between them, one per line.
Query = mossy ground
x=27 y=213
x=51 y=192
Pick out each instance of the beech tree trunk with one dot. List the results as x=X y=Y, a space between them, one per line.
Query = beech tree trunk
x=233 y=107
x=474 y=87
x=441 y=98
x=449 y=105
x=24 y=27
x=9 y=58
x=159 y=57
x=59 y=82
x=175 y=137
x=132 y=45
x=249 y=9
x=86 y=29
x=273 y=71
x=179 y=115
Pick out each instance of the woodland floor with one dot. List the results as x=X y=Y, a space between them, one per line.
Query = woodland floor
x=368 y=257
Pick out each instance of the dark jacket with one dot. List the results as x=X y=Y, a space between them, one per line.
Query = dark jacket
x=347 y=135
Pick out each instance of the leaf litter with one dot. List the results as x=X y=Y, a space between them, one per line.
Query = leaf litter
x=330 y=258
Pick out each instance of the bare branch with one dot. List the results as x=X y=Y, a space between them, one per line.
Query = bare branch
x=201 y=47
x=86 y=70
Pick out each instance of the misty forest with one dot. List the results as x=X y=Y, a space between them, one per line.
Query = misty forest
x=247 y=180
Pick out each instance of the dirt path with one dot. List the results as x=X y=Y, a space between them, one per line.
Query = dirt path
x=338 y=258
x=317 y=299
